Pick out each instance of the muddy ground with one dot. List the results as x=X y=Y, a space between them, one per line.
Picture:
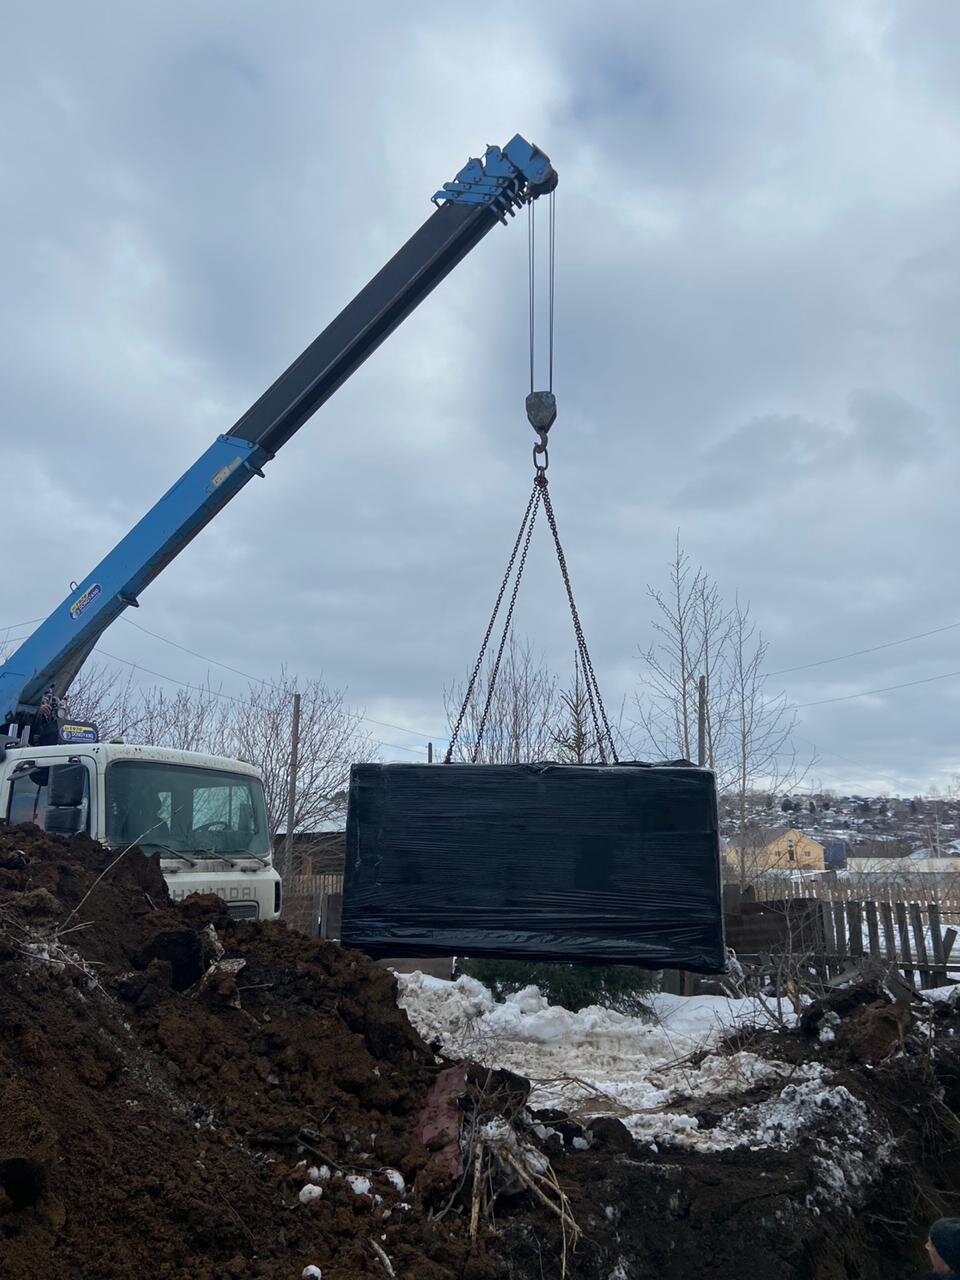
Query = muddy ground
x=168 y=1078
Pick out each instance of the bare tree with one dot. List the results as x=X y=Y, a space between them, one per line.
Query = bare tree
x=255 y=727
x=692 y=629
x=194 y=719
x=113 y=705
x=523 y=713
x=760 y=725
x=749 y=730
x=575 y=735
x=332 y=738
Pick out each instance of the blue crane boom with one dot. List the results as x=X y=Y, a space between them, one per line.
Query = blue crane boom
x=484 y=192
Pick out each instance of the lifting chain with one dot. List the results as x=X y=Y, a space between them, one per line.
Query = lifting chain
x=541 y=409
x=475 y=674
x=594 y=697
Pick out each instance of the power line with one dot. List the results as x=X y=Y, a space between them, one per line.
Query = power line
x=402 y=728
x=13 y=642
x=836 y=754
x=193 y=654
x=216 y=693
x=12 y=626
x=866 y=693
x=15 y=626
x=383 y=724
x=856 y=653
x=197 y=688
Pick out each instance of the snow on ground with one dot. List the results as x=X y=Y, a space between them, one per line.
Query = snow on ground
x=943 y=995
x=598 y=1062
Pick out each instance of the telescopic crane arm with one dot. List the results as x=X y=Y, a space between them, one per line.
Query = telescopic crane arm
x=483 y=193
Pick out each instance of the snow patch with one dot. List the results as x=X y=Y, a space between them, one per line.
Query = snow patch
x=502 y=1136
x=826 y=1032
x=598 y=1062
x=943 y=995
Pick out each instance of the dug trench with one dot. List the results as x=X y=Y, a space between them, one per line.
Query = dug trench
x=186 y=1097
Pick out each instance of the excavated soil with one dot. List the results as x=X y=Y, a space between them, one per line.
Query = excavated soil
x=167 y=1077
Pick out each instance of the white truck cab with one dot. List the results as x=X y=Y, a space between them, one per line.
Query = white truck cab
x=203 y=815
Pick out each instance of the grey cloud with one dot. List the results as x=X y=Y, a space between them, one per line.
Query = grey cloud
x=771 y=457
x=756 y=219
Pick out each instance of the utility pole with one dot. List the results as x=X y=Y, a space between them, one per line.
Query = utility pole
x=429 y=753
x=702 y=721
x=292 y=784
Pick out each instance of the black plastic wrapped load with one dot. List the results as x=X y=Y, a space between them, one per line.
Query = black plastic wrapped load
x=603 y=864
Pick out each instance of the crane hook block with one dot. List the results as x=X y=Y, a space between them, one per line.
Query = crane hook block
x=541 y=410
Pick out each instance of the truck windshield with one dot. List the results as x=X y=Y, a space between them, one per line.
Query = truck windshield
x=185 y=809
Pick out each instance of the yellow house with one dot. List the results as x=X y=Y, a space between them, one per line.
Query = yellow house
x=775 y=849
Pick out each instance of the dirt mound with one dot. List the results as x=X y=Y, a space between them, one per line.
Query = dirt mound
x=155 y=1124
x=188 y=1097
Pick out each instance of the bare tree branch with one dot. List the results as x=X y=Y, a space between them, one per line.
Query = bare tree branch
x=256 y=727
x=524 y=709
x=749 y=730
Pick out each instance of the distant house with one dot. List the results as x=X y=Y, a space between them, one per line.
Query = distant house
x=834 y=853
x=775 y=849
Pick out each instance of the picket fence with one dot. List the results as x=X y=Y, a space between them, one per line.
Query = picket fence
x=312 y=904
x=837 y=938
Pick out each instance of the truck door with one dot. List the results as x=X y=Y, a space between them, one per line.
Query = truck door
x=55 y=796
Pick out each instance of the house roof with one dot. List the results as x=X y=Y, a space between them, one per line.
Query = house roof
x=767 y=836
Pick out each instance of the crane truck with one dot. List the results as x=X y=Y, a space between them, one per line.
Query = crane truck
x=205 y=816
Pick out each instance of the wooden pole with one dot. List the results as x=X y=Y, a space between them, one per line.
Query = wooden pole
x=905 y=956
x=889 y=938
x=916 y=919
x=830 y=947
x=292 y=784
x=873 y=928
x=938 y=976
x=702 y=721
x=429 y=753
x=855 y=924
x=840 y=928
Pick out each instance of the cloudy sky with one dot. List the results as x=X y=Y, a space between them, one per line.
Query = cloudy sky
x=758 y=308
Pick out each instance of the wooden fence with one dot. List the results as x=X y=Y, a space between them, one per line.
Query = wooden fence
x=939 y=889
x=906 y=935
x=835 y=939
x=313 y=904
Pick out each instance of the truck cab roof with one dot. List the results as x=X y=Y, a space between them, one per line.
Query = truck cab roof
x=108 y=752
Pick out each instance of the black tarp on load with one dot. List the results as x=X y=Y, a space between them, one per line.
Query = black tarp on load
x=604 y=864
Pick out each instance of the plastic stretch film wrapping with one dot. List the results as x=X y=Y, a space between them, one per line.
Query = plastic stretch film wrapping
x=604 y=864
